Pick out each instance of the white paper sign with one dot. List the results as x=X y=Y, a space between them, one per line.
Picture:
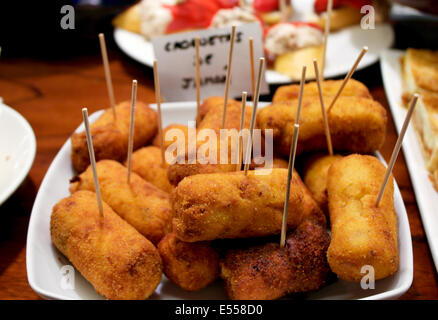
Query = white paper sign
x=176 y=62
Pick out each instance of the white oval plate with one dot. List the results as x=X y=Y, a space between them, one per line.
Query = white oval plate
x=426 y=195
x=44 y=261
x=17 y=150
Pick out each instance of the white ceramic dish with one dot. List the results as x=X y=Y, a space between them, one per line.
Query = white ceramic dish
x=351 y=40
x=44 y=261
x=427 y=196
x=17 y=150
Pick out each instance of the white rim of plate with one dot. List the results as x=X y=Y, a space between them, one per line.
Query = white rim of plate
x=13 y=186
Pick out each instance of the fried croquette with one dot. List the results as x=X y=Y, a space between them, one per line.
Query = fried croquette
x=166 y=143
x=315 y=177
x=212 y=120
x=178 y=171
x=110 y=138
x=203 y=165
x=362 y=234
x=114 y=257
x=276 y=163
x=191 y=266
x=232 y=205
x=213 y=102
x=353 y=88
x=140 y=203
x=269 y=272
x=147 y=163
x=280 y=163
x=356 y=125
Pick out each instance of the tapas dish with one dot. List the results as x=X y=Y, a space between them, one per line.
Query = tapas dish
x=399 y=82
x=44 y=262
x=261 y=230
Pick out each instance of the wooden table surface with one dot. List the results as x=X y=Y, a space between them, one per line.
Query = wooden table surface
x=50 y=95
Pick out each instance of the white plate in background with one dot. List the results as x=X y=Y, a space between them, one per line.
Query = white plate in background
x=343 y=48
x=17 y=150
x=427 y=196
x=44 y=261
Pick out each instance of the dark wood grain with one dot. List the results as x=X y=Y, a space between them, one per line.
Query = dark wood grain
x=50 y=96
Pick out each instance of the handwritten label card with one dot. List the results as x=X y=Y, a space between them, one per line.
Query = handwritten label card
x=176 y=62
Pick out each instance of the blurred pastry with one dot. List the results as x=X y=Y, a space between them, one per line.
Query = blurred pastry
x=153 y=18
x=233 y=17
x=420 y=75
x=130 y=19
x=294 y=44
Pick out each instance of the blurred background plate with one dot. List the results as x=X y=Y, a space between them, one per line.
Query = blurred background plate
x=343 y=47
x=17 y=150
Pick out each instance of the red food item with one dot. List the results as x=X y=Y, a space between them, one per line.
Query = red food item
x=227 y=4
x=265 y=5
x=321 y=5
x=195 y=14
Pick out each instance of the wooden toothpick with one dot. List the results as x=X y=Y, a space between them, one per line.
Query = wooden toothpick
x=109 y=84
x=326 y=34
x=324 y=113
x=158 y=101
x=284 y=10
x=397 y=148
x=254 y=112
x=291 y=165
x=301 y=94
x=347 y=77
x=198 y=78
x=242 y=123
x=92 y=159
x=251 y=60
x=131 y=127
x=227 y=83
